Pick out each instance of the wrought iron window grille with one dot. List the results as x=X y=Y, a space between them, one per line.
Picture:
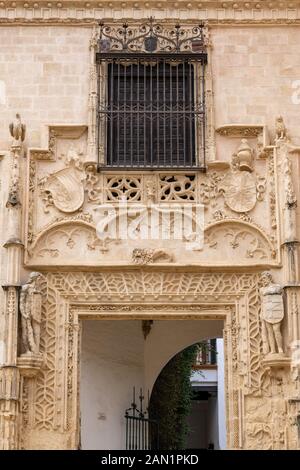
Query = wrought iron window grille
x=151 y=97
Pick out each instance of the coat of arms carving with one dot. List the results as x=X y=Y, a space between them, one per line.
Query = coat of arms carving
x=66 y=188
x=240 y=191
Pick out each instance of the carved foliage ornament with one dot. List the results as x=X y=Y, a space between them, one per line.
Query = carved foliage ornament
x=150 y=37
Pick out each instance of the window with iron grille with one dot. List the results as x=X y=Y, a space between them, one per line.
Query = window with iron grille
x=151 y=110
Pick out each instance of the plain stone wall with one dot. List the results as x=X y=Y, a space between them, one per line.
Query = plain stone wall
x=253 y=70
x=44 y=71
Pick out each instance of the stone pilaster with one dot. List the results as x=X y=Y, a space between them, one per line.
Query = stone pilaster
x=92 y=106
x=9 y=372
x=9 y=407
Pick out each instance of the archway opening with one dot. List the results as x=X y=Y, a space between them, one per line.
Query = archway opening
x=188 y=401
x=119 y=355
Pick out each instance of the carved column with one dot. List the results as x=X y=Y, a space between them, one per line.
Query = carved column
x=9 y=407
x=92 y=105
x=209 y=99
x=291 y=269
x=288 y=201
x=9 y=373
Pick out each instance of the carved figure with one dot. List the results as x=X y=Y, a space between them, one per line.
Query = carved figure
x=272 y=313
x=74 y=157
x=30 y=309
x=280 y=128
x=17 y=129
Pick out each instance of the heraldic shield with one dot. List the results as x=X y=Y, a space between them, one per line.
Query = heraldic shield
x=273 y=310
x=67 y=190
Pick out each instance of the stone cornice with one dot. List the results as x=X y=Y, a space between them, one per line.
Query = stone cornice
x=78 y=12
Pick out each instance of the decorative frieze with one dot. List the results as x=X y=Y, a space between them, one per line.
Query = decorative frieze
x=217 y=12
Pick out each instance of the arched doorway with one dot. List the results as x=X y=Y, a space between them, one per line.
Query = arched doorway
x=188 y=399
x=116 y=356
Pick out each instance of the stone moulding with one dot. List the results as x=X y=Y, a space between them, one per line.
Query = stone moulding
x=82 y=13
x=241 y=130
x=276 y=361
x=50 y=133
x=30 y=364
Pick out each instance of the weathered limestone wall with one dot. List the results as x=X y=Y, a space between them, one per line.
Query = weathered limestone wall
x=45 y=71
x=253 y=70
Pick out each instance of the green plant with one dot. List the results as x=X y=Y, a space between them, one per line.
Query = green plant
x=171 y=397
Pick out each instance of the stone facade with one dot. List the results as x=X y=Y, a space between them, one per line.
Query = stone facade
x=249 y=194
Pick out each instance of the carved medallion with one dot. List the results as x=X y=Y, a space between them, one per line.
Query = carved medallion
x=66 y=189
x=240 y=191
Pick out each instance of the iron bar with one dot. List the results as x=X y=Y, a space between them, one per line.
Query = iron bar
x=153 y=114
x=141 y=432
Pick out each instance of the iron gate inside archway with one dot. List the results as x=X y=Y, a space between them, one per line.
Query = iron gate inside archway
x=141 y=432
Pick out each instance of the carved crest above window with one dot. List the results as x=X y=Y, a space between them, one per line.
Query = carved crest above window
x=151 y=96
x=151 y=37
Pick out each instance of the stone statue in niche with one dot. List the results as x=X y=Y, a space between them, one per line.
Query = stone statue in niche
x=272 y=313
x=280 y=128
x=17 y=130
x=30 y=309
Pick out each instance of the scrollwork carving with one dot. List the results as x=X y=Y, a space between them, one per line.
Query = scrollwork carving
x=210 y=188
x=92 y=184
x=177 y=188
x=272 y=196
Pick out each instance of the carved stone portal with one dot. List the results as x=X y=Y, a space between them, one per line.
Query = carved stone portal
x=141 y=294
